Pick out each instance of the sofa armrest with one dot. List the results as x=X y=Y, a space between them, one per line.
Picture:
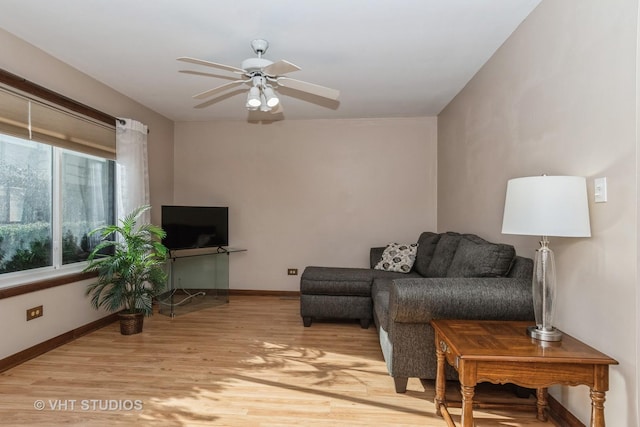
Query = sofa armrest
x=375 y=255
x=419 y=300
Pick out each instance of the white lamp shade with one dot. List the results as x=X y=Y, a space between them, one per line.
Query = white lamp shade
x=253 y=98
x=547 y=206
x=272 y=99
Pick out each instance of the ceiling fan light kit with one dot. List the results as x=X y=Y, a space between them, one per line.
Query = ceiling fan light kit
x=263 y=76
x=253 y=98
x=270 y=95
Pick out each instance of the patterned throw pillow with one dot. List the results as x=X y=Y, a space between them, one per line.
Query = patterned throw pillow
x=398 y=257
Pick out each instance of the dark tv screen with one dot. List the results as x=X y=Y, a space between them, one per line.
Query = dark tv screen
x=190 y=227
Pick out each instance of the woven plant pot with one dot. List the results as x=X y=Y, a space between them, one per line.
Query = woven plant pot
x=131 y=323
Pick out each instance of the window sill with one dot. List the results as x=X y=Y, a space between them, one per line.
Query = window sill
x=39 y=285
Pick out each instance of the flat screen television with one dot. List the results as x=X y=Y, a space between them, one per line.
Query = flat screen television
x=189 y=227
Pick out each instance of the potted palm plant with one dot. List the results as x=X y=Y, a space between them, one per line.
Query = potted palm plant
x=129 y=261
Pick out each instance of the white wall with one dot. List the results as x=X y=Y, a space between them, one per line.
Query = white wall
x=560 y=97
x=66 y=307
x=309 y=192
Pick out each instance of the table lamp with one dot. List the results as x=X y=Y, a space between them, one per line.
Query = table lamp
x=546 y=206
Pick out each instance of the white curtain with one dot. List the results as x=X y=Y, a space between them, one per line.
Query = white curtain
x=132 y=171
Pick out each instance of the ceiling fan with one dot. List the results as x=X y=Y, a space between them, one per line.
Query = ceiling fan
x=263 y=77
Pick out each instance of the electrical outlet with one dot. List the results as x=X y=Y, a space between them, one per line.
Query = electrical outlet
x=35 y=312
x=292 y=271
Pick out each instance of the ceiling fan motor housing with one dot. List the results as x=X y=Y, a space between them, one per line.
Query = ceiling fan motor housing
x=255 y=64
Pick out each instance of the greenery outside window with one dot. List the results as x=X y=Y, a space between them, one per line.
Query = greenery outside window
x=50 y=198
x=25 y=205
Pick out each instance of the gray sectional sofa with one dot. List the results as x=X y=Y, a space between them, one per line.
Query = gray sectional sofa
x=454 y=276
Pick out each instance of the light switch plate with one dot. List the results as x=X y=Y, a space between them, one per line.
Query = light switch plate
x=600 y=190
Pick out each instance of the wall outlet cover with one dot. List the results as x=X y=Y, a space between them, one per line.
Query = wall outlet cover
x=600 y=190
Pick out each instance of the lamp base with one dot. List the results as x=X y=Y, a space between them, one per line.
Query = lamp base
x=542 y=335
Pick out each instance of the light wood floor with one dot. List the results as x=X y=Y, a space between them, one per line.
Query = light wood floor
x=247 y=363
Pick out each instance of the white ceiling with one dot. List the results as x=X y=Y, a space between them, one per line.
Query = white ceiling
x=388 y=58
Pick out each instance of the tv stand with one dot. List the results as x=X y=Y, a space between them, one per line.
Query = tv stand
x=197 y=278
x=178 y=300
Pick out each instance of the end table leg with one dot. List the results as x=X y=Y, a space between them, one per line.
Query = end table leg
x=541 y=403
x=467 y=405
x=597 y=408
x=440 y=378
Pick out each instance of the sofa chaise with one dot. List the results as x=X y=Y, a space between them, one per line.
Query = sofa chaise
x=444 y=276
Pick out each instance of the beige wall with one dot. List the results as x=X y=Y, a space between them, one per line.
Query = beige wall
x=637 y=330
x=66 y=307
x=559 y=97
x=309 y=192
x=26 y=61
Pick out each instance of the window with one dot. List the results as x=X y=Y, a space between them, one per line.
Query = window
x=25 y=205
x=57 y=182
x=50 y=198
x=87 y=202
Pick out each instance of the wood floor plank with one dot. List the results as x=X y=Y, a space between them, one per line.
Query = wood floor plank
x=247 y=363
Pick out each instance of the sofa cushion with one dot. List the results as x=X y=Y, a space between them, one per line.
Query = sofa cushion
x=426 y=247
x=390 y=275
x=380 y=284
x=336 y=281
x=375 y=255
x=476 y=257
x=381 y=308
x=380 y=295
x=398 y=257
x=443 y=254
x=522 y=268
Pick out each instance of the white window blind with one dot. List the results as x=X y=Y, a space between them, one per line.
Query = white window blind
x=30 y=118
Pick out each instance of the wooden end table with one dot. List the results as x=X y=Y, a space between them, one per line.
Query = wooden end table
x=501 y=352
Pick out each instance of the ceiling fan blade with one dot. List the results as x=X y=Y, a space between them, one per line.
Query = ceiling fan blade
x=311 y=88
x=206 y=103
x=280 y=67
x=211 y=92
x=217 y=76
x=212 y=64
